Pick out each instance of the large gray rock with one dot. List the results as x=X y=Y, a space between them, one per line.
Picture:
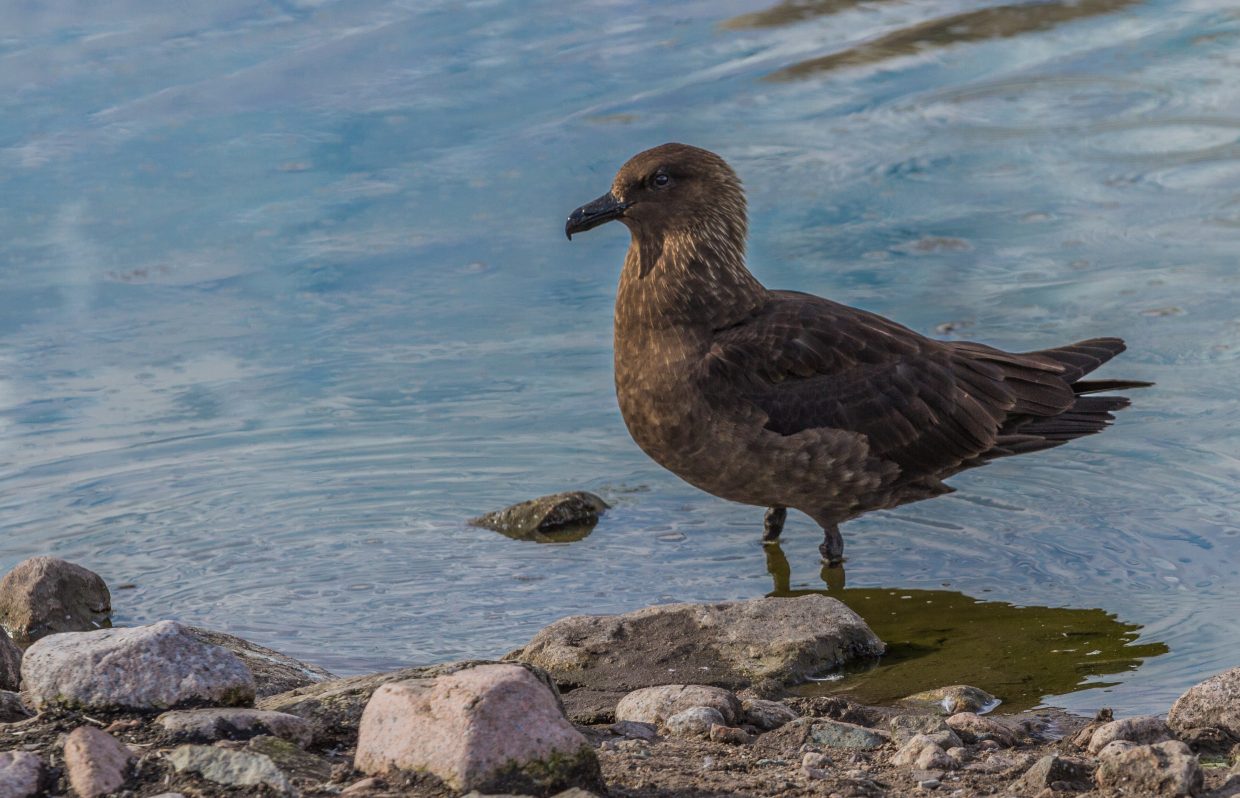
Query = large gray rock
x=10 y=663
x=335 y=707
x=693 y=722
x=789 y=739
x=273 y=672
x=732 y=644
x=558 y=518
x=142 y=669
x=657 y=704
x=1053 y=768
x=1143 y=730
x=1214 y=702
x=234 y=768
x=1168 y=768
x=21 y=774
x=234 y=723
x=493 y=728
x=47 y=595
x=96 y=763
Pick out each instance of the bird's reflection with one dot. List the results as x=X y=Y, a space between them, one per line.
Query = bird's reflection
x=941 y=637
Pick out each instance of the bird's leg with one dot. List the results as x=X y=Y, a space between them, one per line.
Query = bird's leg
x=832 y=546
x=773 y=523
x=779 y=569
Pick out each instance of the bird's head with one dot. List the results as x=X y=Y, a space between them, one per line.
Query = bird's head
x=670 y=189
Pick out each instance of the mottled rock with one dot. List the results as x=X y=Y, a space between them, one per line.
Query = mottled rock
x=560 y=517
x=1142 y=730
x=954 y=699
x=234 y=723
x=273 y=672
x=11 y=707
x=837 y=734
x=494 y=728
x=46 y=595
x=767 y=715
x=335 y=707
x=1214 y=702
x=973 y=728
x=96 y=763
x=1052 y=769
x=924 y=752
x=657 y=704
x=301 y=767
x=227 y=766
x=10 y=663
x=905 y=727
x=693 y=722
x=141 y=669
x=732 y=644
x=815 y=765
x=21 y=774
x=635 y=730
x=730 y=735
x=1167 y=768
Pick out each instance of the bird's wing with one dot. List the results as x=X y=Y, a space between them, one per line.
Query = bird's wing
x=927 y=405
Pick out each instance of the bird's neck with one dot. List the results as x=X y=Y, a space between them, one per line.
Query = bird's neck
x=685 y=280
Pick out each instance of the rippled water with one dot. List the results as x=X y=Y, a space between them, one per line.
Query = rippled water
x=285 y=298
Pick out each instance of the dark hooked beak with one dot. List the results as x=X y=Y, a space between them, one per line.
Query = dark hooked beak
x=589 y=216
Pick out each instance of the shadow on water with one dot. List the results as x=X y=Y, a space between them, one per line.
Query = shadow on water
x=940 y=637
x=1000 y=22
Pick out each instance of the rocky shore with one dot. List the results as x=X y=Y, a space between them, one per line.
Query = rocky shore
x=674 y=700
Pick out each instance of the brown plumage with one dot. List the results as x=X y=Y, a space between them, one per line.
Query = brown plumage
x=783 y=399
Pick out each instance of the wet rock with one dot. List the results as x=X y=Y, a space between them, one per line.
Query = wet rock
x=494 y=728
x=729 y=735
x=1214 y=702
x=693 y=722
x=300 y=767
x=1167 y=768
x=11 y=707
x=954 y=699
x=657 y=704
x=209 y=725
x=973 y=728
x=96 y=763
x=1053 y=769
x=1142 y=730
x=21 y=774
x=10 y=663
x=730 y=644
x=560 y=517
x=273 y=672
x=226 y=766
x=46 y=595
x=335 y=707
x=767 y=715
x=141 y=669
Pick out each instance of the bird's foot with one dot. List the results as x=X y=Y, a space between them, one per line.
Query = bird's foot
x=773 y=524
x=832 y=546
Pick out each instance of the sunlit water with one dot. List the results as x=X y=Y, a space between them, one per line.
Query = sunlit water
x=286 y=299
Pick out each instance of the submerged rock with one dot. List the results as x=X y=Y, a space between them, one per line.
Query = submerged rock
x=144 y=668
x=954 y=699
x=234 y=768
x=731 y=644
x=1167 y=768
x=657 y=704
x=493 y=728
x=558 y=518
x=273 y=672
x=1214 y=702
x=96 y=763
x=47 y=595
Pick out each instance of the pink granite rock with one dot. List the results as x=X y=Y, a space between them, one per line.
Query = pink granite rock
x=1143 y=730
x=657 y=704
x=143 y=668
x=21 y=774
x=494 y=728
x=46 y=595
x=96 y=762
x=1214 y=702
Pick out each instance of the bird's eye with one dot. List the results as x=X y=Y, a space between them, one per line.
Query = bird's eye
x=660 y=180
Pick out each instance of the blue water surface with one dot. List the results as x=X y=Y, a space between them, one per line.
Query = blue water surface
x=285 y=299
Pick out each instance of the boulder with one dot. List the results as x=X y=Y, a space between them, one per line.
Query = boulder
x=1167 y=768
x=47 y=595
x=335 y=707
x=1142 y=730
x=1214 y=702
x=767 y=715
x=145 y=668
x=234 y=723
x=657 y=704
x=21 y=774
x=10 y=663
x=96 y=763
x=1054 y=769
x=693 y=722
x=273 y=672
x=558 y=518
x=230 y=767
x=493 y=728
x=731 y=644
x=973 y=728
x=953 y=699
